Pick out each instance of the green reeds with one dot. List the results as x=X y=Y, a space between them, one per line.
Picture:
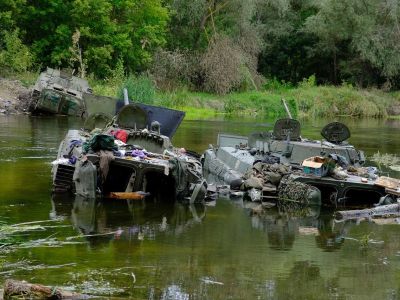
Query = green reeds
x=391 y=161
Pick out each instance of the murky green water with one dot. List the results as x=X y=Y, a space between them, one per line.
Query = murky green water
x=171 y=251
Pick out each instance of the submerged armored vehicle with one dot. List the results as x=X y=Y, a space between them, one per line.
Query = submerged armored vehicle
x=331 y=165
x=130 y=152
x=58 y=92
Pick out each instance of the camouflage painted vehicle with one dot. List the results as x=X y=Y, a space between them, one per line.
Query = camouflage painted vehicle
x=58 y=92
x=123 y=149
x=263 y=159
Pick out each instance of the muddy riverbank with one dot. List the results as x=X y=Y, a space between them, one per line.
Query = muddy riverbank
x=14 y=97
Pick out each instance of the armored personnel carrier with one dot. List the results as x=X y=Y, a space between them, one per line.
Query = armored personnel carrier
x=331 y=164
x=58 y=92
x=127 y=153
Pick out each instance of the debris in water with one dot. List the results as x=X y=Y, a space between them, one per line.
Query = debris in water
x=133 y=277
x=14 y=288
x=207 y=280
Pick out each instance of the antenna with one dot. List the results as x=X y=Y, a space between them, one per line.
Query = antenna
x=287 y=108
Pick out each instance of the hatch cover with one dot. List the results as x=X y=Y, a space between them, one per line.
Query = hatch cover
x=132 y=116
x=287 y=127
x=335 y=132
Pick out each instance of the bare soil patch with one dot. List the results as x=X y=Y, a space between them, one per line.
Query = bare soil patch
x=14 y=97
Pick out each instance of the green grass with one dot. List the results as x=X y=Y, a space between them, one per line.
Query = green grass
x=322 y=101
x=104 y=87
x=27 y=79
x=255 y=104
x=306 y=100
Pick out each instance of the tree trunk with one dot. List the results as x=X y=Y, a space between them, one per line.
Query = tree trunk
x=334 y=67
x=15 y=288
x=379 y=211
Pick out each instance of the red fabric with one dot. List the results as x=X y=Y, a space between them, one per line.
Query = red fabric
x=122 y=135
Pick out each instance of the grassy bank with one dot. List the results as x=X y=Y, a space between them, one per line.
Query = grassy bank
x=316 y=101
x=306 y=100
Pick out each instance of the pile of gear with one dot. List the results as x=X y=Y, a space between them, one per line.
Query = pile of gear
x=119 y=160
x=272 y=181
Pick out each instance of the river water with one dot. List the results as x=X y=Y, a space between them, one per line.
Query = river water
x=172 y=251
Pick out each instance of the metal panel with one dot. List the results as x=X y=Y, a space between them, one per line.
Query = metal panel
x=96 y=104
x=169 y=119
x=230 y=140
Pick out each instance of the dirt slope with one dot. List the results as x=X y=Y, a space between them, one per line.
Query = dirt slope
x=14 y=97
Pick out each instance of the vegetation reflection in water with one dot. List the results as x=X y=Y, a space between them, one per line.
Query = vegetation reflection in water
x=156 y=250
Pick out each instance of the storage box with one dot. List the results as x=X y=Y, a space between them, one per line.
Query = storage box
x=316 y=165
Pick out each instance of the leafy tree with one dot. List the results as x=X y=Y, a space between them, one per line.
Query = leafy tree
x=109 y=30
x=357 y=41
x=377 y=39
x=194 y=23
x=289 y=54
x=98 y=33
x=188 y=24
x=362 y=34
x=48 y=24
x=15 y=56
x=223 y=37
x=10 y=10
x=144 y=23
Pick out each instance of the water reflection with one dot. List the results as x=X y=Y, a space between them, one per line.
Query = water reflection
x=101 y=221
x=314 y=285
x=331 y=235
x=283 y=227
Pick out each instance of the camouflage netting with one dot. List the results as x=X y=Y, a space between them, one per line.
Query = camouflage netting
x=297 y=194
x=274 y=179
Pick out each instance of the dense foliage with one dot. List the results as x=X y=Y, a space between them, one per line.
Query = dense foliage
x=210 y=45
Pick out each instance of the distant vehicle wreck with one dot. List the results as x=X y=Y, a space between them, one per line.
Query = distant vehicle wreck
x=59 y=92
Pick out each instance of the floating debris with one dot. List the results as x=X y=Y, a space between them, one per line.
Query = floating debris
x=208 y=280
x=22 y=289
x=96 y=282
x=47 y=242
x=379 y=211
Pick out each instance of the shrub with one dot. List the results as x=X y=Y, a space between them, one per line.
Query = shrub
x=274 y=84
x=172 y=69
x=308 y=82
x=230 y=65
x=15 y=56
x=232 y=106
x=221 y=65
x=117 y=75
